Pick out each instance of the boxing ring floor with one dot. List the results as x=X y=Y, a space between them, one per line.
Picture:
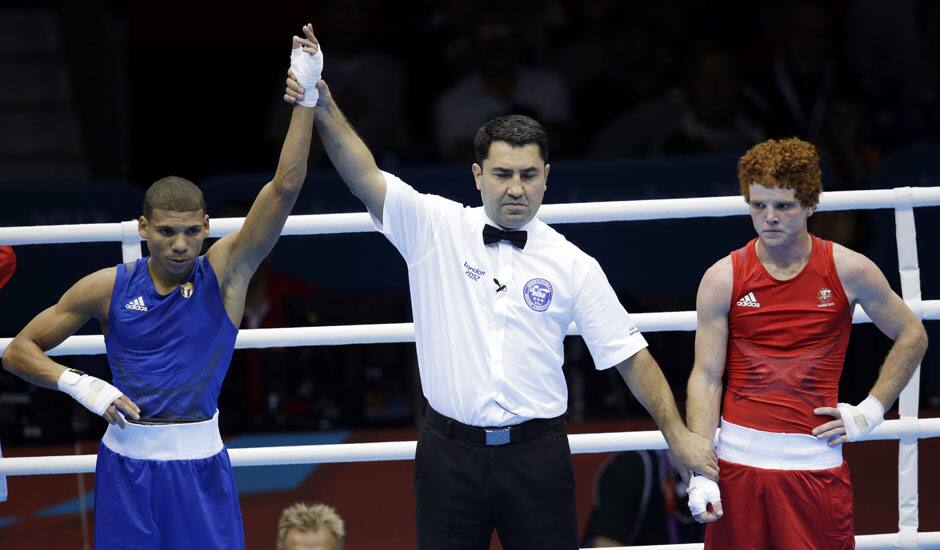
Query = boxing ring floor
x=907 y=429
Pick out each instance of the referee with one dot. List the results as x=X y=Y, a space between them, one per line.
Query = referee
x=493 y=290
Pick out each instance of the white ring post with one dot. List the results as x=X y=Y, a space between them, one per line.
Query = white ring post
x=906 y=234
x=130 y=241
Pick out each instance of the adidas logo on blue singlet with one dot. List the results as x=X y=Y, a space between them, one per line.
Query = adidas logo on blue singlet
x=137 y=304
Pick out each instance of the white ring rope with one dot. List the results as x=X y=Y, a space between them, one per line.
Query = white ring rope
x=390 y=333
x=908 y=429
x=405 y=450
x=657 y=209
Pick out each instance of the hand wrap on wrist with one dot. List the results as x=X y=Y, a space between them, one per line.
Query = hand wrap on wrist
x=702 y=492
x=307 y=69
x=93 y=393
x=861 y=419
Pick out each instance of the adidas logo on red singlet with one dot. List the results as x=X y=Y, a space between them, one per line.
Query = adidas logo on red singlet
x=137 y=304
x=749 y=300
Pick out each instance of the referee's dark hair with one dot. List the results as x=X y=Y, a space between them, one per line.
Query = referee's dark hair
x=516 y=130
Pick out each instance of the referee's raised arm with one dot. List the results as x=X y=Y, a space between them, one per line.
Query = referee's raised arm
x=348 y=153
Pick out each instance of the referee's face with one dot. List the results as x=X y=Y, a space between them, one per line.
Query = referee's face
x=512 y=183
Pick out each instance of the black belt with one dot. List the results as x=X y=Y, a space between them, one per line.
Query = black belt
x=164 y=421
x=490 y=437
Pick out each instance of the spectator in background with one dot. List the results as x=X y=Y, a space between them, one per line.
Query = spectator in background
x=499 y=83
x=611 y=68
x=640 y=498
x=7 y=264
x=367 y=73
x=704 y=116
x=310 y=527
x=793 y=96
x=581 y=56
x=447 y=34
x=711 y=118
x=807 y=91
x=901 y=80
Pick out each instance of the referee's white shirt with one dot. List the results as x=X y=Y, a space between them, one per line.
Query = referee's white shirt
x=488 y=357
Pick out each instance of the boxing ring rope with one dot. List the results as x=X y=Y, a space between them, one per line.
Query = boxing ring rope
x=907 y=429
x=405 y=450
x=391 y=333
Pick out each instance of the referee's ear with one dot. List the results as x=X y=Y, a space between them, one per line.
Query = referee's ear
x=547 y=168
x=477 y=171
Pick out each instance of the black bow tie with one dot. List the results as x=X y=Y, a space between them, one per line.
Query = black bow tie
x=494 y=235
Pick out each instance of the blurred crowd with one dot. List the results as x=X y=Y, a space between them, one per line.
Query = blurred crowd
x=622 y=79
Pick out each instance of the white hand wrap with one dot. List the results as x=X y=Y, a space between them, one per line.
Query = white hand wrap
x=307 y=69
x=94 y=394
x=702 y=492
x=862 y=418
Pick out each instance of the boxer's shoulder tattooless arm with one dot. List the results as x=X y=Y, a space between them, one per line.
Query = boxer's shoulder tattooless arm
x=711 y=339
x=86 y=299
x=867 y=286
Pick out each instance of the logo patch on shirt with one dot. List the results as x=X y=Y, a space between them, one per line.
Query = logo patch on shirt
x=748 y=300
x=473 y=273
x=824 y=297
x=538 y=294
x=186 y=289
x=137 y=304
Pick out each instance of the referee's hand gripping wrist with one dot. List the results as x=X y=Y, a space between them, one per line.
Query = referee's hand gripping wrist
x=692 y=452
x=97 y=396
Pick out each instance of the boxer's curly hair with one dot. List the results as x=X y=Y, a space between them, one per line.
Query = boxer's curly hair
x=788 y=163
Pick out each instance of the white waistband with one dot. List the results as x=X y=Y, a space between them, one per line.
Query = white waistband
x=187 y=441
x=775 y=451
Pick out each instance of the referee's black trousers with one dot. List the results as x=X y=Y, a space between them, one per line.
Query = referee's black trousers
x=465 y=489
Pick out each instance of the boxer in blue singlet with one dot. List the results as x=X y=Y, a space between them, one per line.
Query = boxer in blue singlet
x=163 y=477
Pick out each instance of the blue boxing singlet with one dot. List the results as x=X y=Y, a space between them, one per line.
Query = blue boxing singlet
x=169 y=354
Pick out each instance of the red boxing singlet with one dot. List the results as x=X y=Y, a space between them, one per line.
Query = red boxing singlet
x=786 y=342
